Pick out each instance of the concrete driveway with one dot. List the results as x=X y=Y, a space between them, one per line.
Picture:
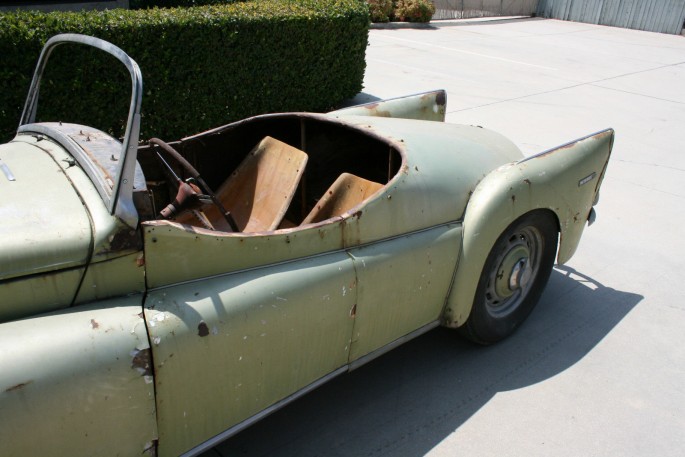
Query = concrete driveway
x=599 y=367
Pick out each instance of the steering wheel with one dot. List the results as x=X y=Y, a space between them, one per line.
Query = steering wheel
x=189 y=197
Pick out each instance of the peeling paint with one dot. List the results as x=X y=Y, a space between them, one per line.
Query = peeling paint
x=150 y=448
x=141 y=361
x=202 y=329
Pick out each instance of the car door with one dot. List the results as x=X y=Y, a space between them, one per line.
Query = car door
x=262 y=317
x=402 y=283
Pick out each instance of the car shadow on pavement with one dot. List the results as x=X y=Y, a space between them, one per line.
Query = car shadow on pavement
x=409 y=400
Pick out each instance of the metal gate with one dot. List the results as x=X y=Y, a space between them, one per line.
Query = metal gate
x=666 y=16
x=464 y=9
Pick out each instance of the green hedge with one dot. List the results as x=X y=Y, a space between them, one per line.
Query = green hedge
x=140 y=4
x=202 y=66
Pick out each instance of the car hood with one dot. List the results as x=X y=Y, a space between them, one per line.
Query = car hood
x=44 y=225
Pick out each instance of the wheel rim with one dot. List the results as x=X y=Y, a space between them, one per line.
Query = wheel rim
x=513 y=272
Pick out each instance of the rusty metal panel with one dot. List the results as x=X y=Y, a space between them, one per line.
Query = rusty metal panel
x=402 y=284
x=423 y=194
x=426 y=192
x=77 y=382
x=226 y=348
x=112 y=278
x=212 y=253
x=666 y=16
x=35 y=294
x=564 y=180
x=465 y=9
x=428 y=106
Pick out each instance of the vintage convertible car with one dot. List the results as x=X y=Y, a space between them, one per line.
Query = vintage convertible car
x=159 y=298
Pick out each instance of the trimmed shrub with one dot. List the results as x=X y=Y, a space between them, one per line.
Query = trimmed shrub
x=202 y=66
x=414 y=10
x=381 y=10
x=142 y=4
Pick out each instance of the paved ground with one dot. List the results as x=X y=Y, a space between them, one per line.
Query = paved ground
x=599 y=368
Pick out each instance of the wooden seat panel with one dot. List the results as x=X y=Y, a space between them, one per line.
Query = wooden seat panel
x=344 y=194
x=260 y=190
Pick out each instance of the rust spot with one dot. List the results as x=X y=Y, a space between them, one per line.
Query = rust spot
x=358 y=214
x=140 y=261
x=353 y=312
x=94 y=324
x=141 y=361
x=527 y=181
x=125 y=239
x=513 y=198
x=371 y=106
x=19 y=386
x=202 y=329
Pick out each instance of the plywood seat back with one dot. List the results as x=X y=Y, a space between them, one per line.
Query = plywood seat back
x=260 y=190
x=344 y=194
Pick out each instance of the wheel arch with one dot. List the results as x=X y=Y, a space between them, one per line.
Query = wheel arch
x=501 y=198
x=564 y=180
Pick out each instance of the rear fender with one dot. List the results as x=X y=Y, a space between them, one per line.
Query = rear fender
x=428 y=106
x=563 y=180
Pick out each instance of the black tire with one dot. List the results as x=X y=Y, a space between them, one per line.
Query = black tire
x=513 y=278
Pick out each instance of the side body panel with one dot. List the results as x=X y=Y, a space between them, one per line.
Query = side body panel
x=176 y=253
x=228 y=347
x=42 y=253
x=62 y=230
x=443 y=165
x=77 y=382
x=281 y=306
x=565 y=180
x=35 y=294
x=402 y=285
x=112 y=278
x=38 y=198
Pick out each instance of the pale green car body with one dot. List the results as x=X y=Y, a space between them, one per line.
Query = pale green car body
x=122 y=334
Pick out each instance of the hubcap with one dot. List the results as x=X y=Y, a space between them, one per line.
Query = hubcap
x=513 y=271
x=509 y=271
x=520 y=275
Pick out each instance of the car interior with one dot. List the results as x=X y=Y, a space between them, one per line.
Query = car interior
x=271 y=172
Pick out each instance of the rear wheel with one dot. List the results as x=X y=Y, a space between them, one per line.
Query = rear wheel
x=513 y=278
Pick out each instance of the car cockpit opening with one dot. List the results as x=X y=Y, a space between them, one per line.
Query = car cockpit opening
x=269 y=172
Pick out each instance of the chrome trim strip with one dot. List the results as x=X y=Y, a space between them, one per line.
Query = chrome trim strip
x=8 y=173
x=210 y=443
x=392 y=345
